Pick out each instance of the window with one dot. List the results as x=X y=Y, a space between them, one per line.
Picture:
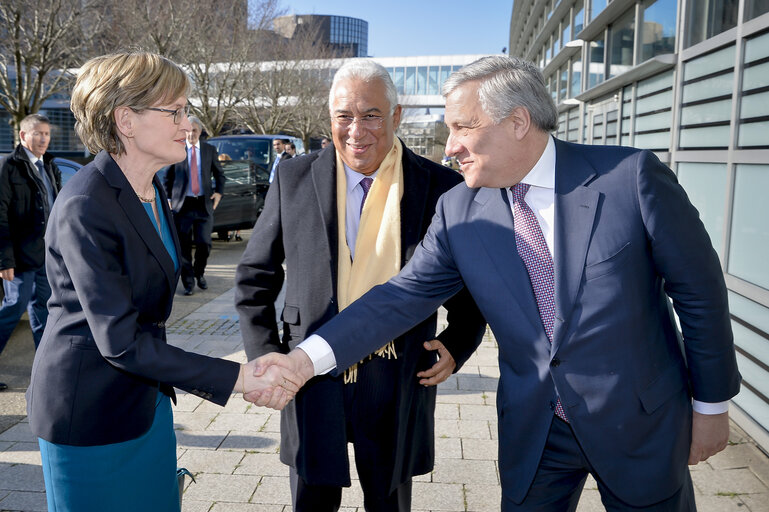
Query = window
x=433 y=87
x=596 y=6
x=658 y=28
x=622 y=38
x=597 y=64
x=576 y=76
x=706 y=18
x=411 y=81
x=705 y=184
x=563 y=83
x=754 y=8
x=754 y=107
x=749 y=244
x=565 y=31
x=579 y=17
x=421 y=80
x=398 y=80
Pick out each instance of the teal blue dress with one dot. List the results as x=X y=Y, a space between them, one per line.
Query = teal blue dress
x=139 y=474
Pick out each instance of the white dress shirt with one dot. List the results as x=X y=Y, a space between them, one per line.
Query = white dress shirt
x=541 y=199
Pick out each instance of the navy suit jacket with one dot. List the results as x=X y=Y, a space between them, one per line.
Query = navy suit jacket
x=177 y=178
x=626 y=239
x=104 y=357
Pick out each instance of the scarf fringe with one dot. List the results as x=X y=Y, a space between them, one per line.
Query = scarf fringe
x=387 y=352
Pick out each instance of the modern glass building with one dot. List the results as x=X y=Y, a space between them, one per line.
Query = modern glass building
x=688 y=79
x=345 y=36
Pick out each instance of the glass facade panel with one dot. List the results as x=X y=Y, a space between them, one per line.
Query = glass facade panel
x=566 y=31
x=6 y=132
x=576 y=76
x=749 y=244
x=751 y=312
x=596 y=6
x=710 y=63
x=656 y=102
x=398 y=80
x=706 y=18
x=433 y=87
x=621 y=41
x=709 y=88
x=706 y=185
x=411 y=81
x=755 y=8
x=707 y=112
x=597 y=64
x=754 y=134
x=563 y=83
x=421 y=80
x=755 y=105
x=658 y=141
x=755 y=76
x=579 y=17
x=655 y=83
x=757 y=48
x=445 y=73
x=711 y=136
x=653 y=122
x=658 y=28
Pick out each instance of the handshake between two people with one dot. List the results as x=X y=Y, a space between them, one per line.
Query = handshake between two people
x=274 y=379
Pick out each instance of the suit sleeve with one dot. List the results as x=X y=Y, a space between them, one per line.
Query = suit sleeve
x=389 y=310
x=684 y=256
x=94 y=254
x=259 y=278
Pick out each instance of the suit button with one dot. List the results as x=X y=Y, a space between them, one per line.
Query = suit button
x=555 y=363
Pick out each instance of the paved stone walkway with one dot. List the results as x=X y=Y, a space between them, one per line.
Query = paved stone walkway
x=233 y=451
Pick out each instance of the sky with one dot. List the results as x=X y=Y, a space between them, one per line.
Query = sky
x=403 y=28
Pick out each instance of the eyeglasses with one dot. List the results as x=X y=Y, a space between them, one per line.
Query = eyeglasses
x=369 y=121
x=177 y=114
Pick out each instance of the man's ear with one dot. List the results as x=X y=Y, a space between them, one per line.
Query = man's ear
x=521 y=120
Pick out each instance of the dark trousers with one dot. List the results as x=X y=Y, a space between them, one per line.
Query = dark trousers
x=371 y=420
x=28 y=291
x=561 y=476
x=194 y=224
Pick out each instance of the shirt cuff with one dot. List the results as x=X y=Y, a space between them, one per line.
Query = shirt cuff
x=320 y=353
x=710 y=408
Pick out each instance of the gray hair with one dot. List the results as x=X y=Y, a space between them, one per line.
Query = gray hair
x=506 y=84
x=196 y=120
x=365 y=70
x=28 y=123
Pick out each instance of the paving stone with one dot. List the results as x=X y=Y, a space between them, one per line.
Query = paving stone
x=474 y=429
x=719 y=504
x=480 y=449
x=200 y=439
x=590 y=501
x=22 y=453
x=215 y=488
x=19 y=433
x=459 y=397
x=184 y=420
x=737 y=456
x=449 y=384
x=352 y=497
x=273 y=423
x=489 y=371
x=448 y=448
x=263 y=442
x=477 y=412
x=754 y=502
x=4 y=445
x=24 y=501
x=739 y=481
x=186 y=402
x=273 y=490
x=211 y=461
x=246 y=507
x=22 y=477
x=438 y=497
x=459 y=471
x=189 y=505
x=262 y=464
x=447 y=411
x=446 y=428
x=482 y=498
x=468 y=383
x=485 y=356
x=240 y=422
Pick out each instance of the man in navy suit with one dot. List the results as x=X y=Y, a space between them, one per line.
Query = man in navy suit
x=573 y=254
x=188 y=184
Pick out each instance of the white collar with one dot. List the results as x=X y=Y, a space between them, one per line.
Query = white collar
x=354 y=177
x=32 y=157
x=543 y=173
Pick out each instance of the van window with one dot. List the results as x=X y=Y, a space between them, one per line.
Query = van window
x=255 y=150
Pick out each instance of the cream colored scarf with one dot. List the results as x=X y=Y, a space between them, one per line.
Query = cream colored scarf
x=378 y=245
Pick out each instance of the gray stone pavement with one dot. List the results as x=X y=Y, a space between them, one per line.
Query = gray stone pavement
x=233 y=450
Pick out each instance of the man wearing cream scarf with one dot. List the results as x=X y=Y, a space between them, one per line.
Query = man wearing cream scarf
x=336 y=246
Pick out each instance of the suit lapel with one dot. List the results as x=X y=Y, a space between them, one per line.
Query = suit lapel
x=493 y=220
x=137 y=216
x=575 y=210
x=323 y=171
x=415 y=191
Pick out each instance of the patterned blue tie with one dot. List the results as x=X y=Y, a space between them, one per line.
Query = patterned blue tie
x=533 y=250
x=365 y=183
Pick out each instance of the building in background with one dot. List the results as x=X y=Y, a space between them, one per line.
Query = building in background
x=343 y=35
x=688 y=79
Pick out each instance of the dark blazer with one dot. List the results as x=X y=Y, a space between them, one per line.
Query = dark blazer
x=23 y=210
x=104 y=356
x=299 y=224
x=626 y=239
x=177 y=178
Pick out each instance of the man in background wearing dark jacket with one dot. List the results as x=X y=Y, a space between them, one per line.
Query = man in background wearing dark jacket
x=29 y=183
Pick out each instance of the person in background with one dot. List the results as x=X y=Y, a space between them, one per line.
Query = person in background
x=325 y=141
x=281 y=153
x=29 y=184
x=193 y=200
x=291 y=149
x=345 y=219
x=103 y=378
